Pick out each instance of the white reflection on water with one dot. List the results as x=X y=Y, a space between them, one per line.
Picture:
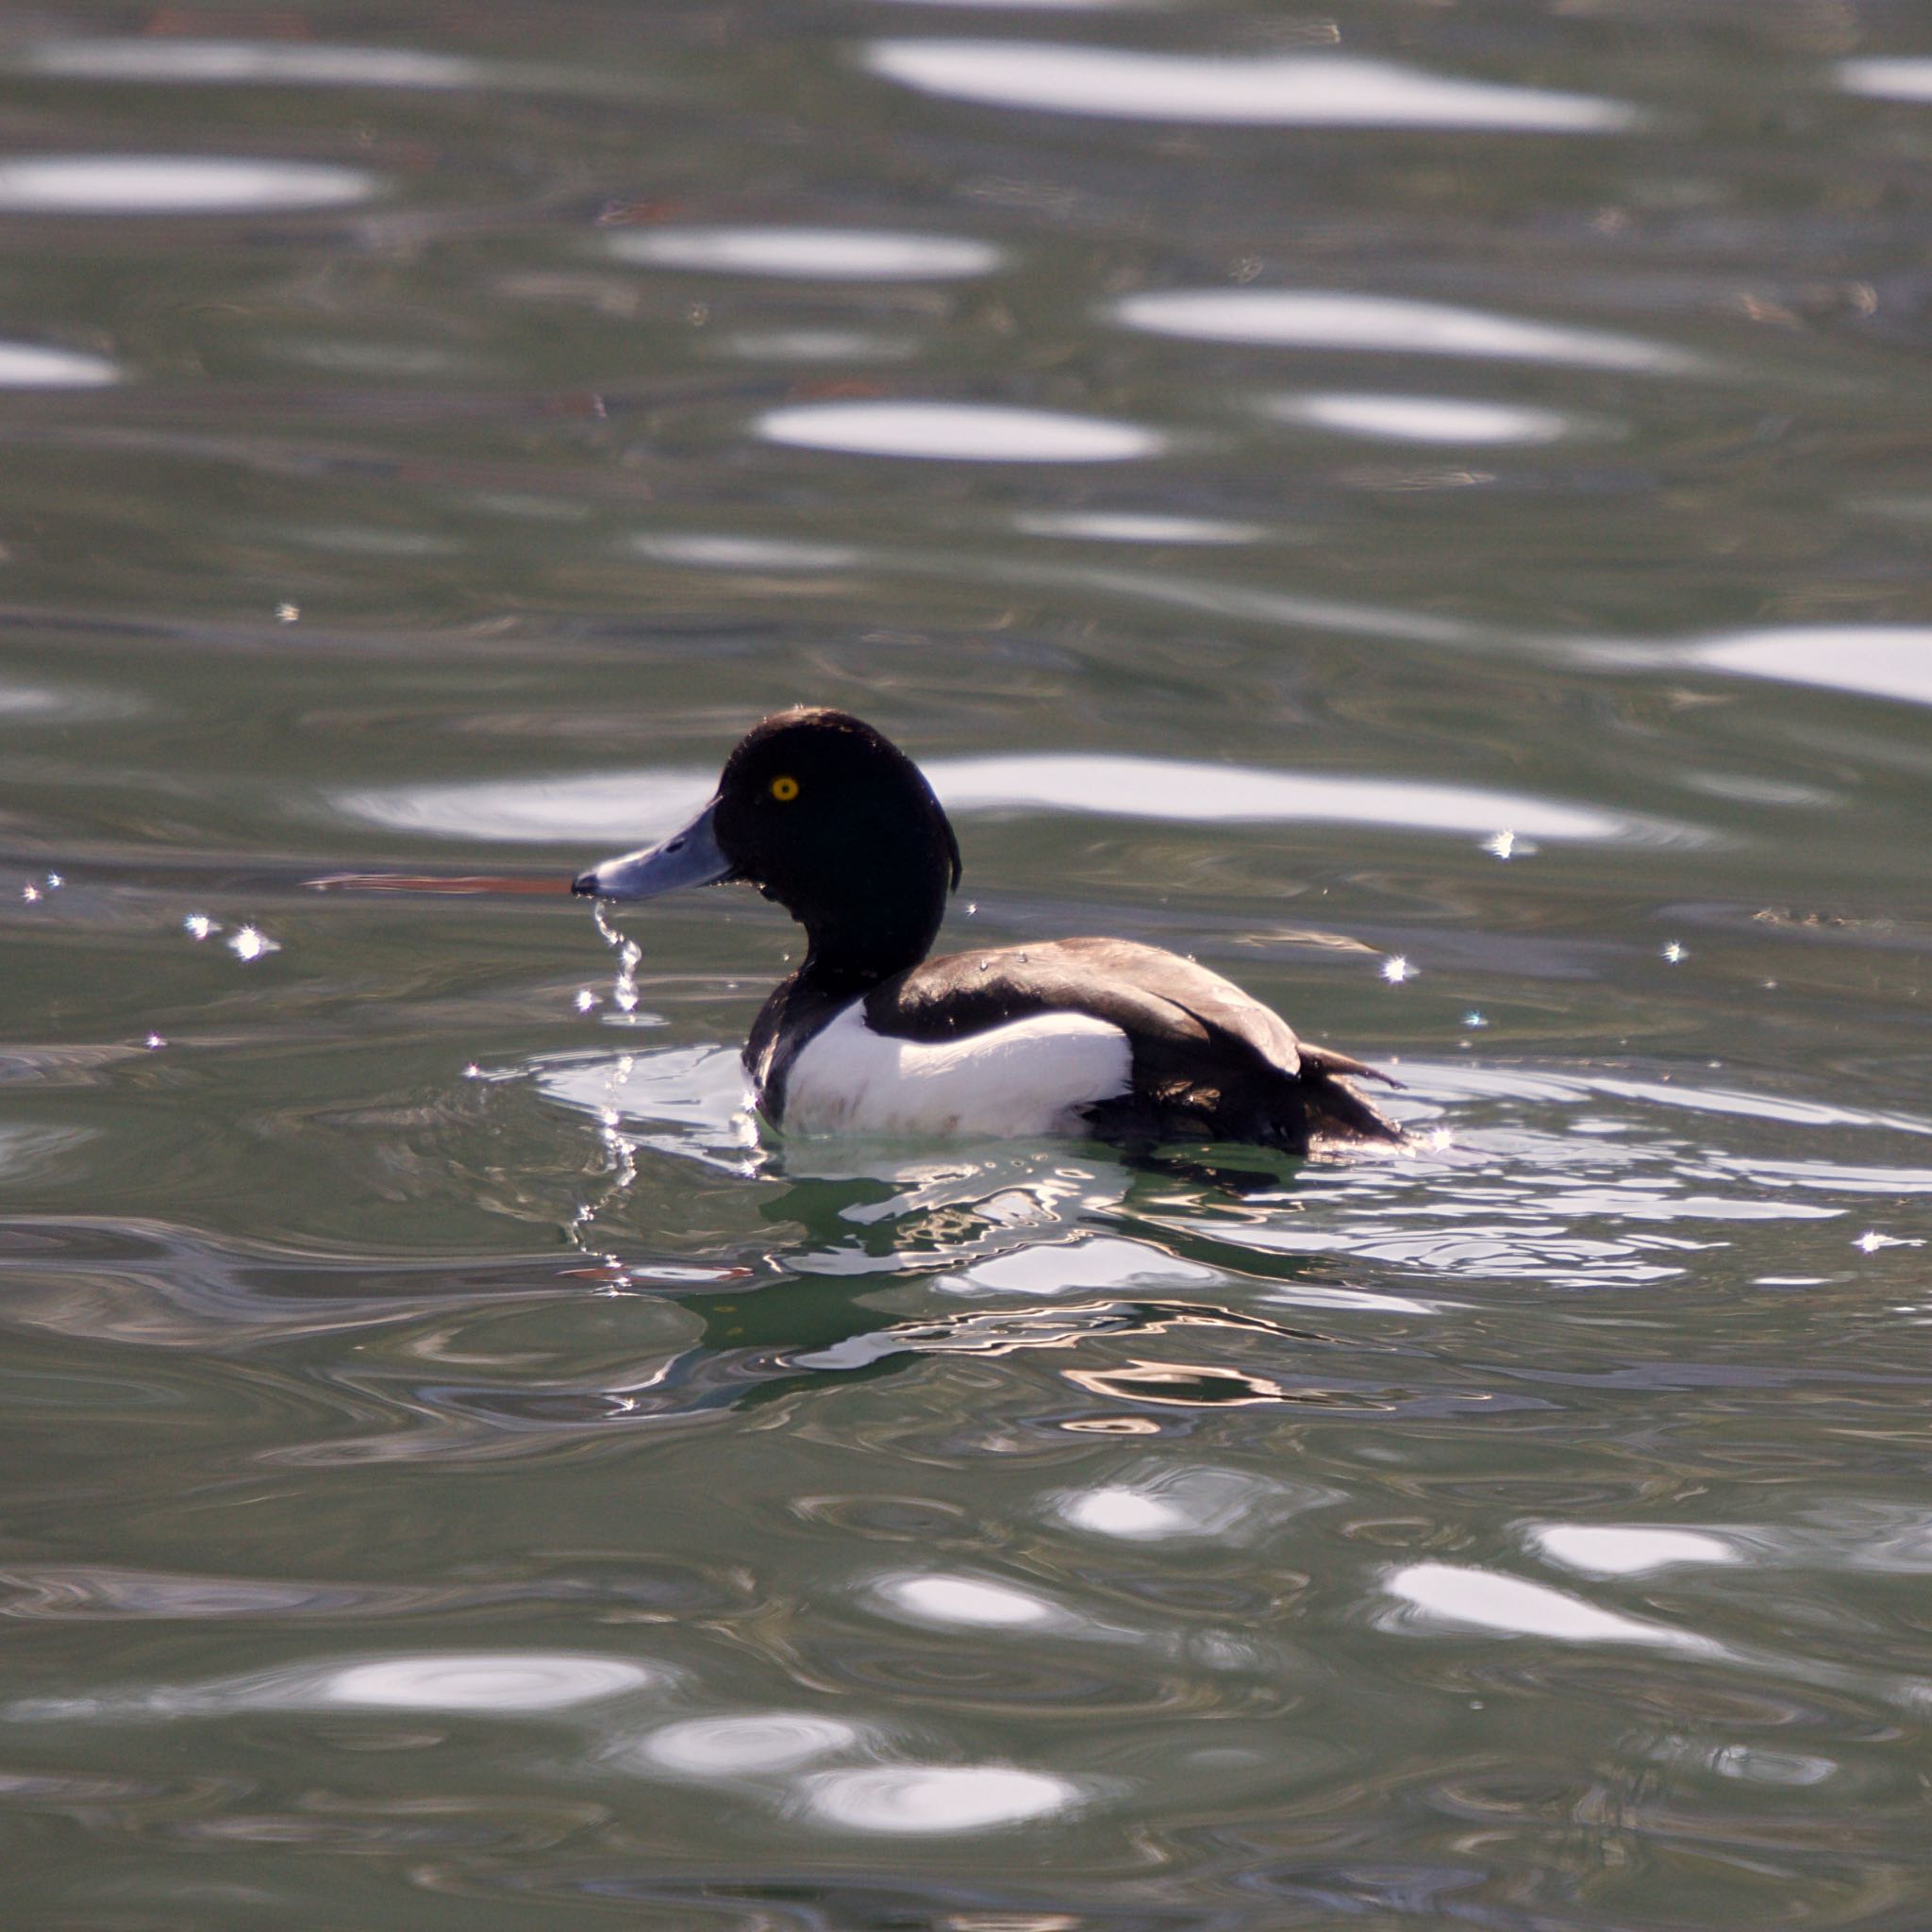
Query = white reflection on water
x=745 y=1745
x=507 y=1680
x=1463 y=1081
x=931 y=1798
x=1831 y=1175
x=1421 y=419
x=636 y=806
x=1167 y=588
x=1624 y=1549
x=31 y=701
x=31 y=1152
x=847 y=255
x=1178 y=790
x=294 y=63
x=1032 y=5
x=1877 y=660
x=1905 y=78
x=1334 y=319
x=1130 y=527
x=1763 y=1107
x=689 y=1100
x=966 y=1602
x=1274 y=90
x=27 y=365
x=174 y=184
x=1083 y=1263
x=816 y=345
x=493 y=1682
x=1787 y=1767
x=957 y=432
x=405 y=360
x=1447 y=1597
x=1166 y=1503
x=700 y=550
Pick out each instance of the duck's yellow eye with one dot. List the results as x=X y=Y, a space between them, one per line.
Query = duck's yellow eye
x=784 y=790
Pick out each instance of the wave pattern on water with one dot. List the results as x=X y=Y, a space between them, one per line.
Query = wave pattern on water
x=1430 y=523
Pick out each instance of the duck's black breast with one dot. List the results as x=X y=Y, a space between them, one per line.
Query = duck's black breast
x=1209 y=1061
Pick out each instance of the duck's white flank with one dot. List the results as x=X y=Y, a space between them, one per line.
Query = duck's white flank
x=1027 y=1078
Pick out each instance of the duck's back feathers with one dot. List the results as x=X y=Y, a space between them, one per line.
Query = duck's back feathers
x=1205 y=1059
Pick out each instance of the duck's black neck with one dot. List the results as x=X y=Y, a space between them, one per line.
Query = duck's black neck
x=852 y=951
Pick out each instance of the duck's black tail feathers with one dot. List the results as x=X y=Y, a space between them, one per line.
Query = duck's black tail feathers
x=1335 y=1109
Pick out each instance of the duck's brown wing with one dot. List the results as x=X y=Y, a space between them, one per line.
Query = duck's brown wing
x=1208 y=1060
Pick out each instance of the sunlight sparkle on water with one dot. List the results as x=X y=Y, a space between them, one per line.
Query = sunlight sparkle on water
x=1674 y=953
x=1501 y=843
x=1396 y=968
x=251 y=942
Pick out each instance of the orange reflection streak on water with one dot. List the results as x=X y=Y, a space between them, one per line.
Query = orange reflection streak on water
x=433 y=882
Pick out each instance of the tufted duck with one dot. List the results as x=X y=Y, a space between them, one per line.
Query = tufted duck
x=1092 y=1036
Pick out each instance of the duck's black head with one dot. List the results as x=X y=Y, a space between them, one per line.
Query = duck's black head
x=823 y=814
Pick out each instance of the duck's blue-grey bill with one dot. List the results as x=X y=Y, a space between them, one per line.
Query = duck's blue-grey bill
x=690 y=857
